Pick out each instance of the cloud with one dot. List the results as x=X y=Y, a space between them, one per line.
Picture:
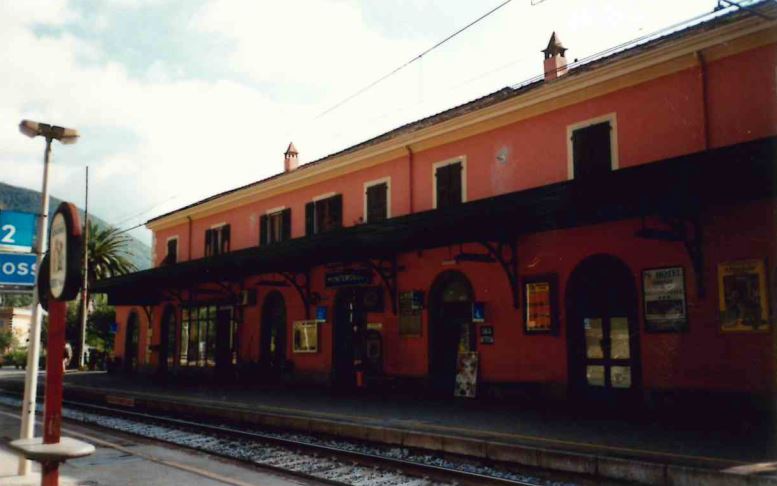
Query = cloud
x=164 y=123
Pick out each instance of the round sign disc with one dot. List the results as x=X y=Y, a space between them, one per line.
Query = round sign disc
x=58 y=261
x=65 y=253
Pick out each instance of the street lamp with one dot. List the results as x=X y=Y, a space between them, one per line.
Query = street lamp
x=66 y=136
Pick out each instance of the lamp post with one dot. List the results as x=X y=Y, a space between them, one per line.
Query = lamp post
x=66 y=136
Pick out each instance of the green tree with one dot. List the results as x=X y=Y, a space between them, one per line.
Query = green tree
x=107 y=256
x=7 y=340
x=107 y=253
x=16 y=300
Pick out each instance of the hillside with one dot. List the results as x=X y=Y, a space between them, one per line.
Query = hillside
x=15 y=198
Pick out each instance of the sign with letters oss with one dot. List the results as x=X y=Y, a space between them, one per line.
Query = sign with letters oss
x=16 y=231
x=17 y=269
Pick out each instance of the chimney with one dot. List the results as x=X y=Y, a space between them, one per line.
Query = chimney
x=290 y=161
x=555 y=62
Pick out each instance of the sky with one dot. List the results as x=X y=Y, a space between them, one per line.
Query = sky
x=177 y=100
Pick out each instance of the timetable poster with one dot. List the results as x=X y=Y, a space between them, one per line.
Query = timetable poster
x=664 y=297
x=538 y=307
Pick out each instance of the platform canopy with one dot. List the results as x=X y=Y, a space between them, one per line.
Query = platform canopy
x=675 y=189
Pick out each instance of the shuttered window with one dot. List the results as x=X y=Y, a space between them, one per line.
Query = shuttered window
x=275 y=227
x=172 y=252
x=591 y=153
x=324 y=215
x=448 y=185
x=377 y=202
x=217 y=240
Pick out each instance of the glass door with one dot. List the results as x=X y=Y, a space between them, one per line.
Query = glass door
x=607 y=352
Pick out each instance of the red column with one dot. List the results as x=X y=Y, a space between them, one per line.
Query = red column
x=52 y=416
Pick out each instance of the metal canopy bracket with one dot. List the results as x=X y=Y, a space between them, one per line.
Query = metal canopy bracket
x=387 y=269
x=686 y=230
x=506 y=254
x=301 y=282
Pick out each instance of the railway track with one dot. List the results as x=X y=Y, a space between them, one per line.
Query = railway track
x=332 y=461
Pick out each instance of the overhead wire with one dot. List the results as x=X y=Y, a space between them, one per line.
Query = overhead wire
x=411 y=61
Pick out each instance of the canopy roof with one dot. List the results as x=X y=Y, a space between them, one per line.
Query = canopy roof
x=680 y=187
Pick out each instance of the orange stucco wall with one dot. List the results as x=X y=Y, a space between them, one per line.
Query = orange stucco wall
x=655 y=120
x=658 y=119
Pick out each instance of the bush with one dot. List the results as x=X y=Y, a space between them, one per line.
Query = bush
x=18 y=358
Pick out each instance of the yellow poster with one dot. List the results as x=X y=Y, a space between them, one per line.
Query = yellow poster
x=305 y=337
x=743 y=296
x=538 y=306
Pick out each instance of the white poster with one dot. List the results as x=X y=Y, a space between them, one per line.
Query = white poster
x=664 y=296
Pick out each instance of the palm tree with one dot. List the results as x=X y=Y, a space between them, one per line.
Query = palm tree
x=107 y=256
x=107 y=253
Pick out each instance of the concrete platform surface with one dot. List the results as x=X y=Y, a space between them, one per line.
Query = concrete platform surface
x=668 y=446
x=121 y=460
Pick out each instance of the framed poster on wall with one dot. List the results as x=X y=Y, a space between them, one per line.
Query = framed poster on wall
x=663 y=294
x=541 y=308
x=305 y=337
x=743 y=296
x=410 y=312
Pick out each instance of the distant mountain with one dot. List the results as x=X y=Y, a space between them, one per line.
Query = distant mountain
x=14 y=198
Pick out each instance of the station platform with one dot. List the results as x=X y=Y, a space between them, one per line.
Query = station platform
x=704 y=445
x=121 y=460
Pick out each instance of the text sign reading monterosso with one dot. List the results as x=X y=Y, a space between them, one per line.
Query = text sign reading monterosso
x=17 y=269
x=16 y=231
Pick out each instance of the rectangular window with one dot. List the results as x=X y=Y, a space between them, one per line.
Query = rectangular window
x=448 y=185
x=275 y=227
x=200 y=336
x=217 y=240
x=172 y=252
x=324 y=215
x=591 y=150
x=377 y=202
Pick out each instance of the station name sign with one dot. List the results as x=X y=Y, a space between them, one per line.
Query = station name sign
x=17 y=270
x=16 y=231
x=347 y=278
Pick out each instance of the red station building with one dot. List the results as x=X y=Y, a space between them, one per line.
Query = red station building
x=608 y=229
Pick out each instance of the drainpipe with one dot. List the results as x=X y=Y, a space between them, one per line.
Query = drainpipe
x=704 y=98
x=189 y=250
x=410 y=159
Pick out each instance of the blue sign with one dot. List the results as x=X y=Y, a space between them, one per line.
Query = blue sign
x=114 y=328
x=17 y=269
x=16 y=231
x=321 y=313
x=478 y=312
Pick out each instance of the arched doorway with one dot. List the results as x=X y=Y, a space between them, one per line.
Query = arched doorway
x=168 y=331
x=273 y=334
x=350 y=321
x=131 y=342
x=451 y=330
x=602 y=328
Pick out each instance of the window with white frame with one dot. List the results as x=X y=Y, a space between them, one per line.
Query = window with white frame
x=275 y=226
x=377 y=200
x=172 y=251
x=217 y=240
x=592 y=147
x=450 y=187
x=324 y=214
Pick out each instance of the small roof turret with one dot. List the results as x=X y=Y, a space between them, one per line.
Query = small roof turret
x=291 y=150
x=555 y=47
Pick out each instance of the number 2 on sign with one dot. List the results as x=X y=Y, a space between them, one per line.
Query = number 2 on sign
x=9 y=231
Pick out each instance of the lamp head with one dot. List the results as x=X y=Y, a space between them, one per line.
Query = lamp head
x=33 y=129
x=29 y=128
